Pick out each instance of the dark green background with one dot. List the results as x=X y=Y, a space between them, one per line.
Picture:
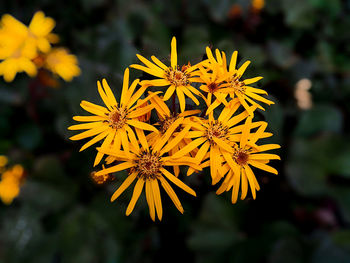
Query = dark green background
x=301 y=215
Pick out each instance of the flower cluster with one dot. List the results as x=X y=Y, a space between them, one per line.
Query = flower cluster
x=222 y=136
x=29 y=49
x=11 y=180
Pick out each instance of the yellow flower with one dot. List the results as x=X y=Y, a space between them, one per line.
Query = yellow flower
x=10 y=184
x=246 y=153
x=215 y=138
x=16 y=49
x=60 y=62
x=40 y=29
x=177 y=79
x=113 y=122
x=243 y=92
x=147 y=164
x=19 y=44
x=180 y=123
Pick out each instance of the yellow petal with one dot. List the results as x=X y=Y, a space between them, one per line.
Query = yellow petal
x=127 y=182
x=135 y=196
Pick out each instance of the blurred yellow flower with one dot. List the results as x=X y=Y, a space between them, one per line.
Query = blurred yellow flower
x=147 y=164
x=113 y=123
x=177 y=79
x=60 y=62
x=40 y=29
x=10 y=183
x=27 y=49
x=246 y=153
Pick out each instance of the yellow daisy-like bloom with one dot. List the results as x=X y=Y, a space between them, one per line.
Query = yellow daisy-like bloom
x=40 y=30
x=243 y=92
x=180 y=123
x=113 y=122
x=246 y=154
x=147 y=164
x=60 y=62
x=211 y=137
x=10 y=183
x=215 y=138
x=177 y=79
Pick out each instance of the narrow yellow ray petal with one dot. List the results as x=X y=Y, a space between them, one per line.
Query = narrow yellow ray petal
x=268 y=147
x=103 y=96
x=245 y=133
x=127 y=182
x=148 y=63
x=96 y=139
x=210 y=55
x=106 y=144
x=259 y=98
x=171 y=193
x=202 y=152
x=190 y=95
x=189 y=147
x=89 y=133
x=255 y=90
x=251 y=182
x=157 y=198
x=86 y=126
x=152 y=72
x=116 y=168
x=140 y=111
x=236 y=183
x=233 y=61
x=181 y=98
x=177 y=182
x=223 y=145
x=242 y=69
x=169 y=92
x=244 y=185
x=132 y=137
x=252 y=80
x=125 y=142
x=218 y=56
x=142 y=138
x=135 y=196
x=88 y=118
x=176 y=140
x=141 y=125
x=156 y=82
x=93 y=108
x=159 y=63
x=109 y=93
x=263 y=156
x=167 y=134
x=263 y=166
x=173 y=55
x=150 y=200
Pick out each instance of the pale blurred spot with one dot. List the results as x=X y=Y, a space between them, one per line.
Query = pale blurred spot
x=302 y=94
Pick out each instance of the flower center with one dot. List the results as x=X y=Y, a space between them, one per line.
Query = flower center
x=117 y=118
x=236 y=84
x=177 y=77
x=148 y=165
x=241 y=156
x=212 y=87
x=217 y=130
